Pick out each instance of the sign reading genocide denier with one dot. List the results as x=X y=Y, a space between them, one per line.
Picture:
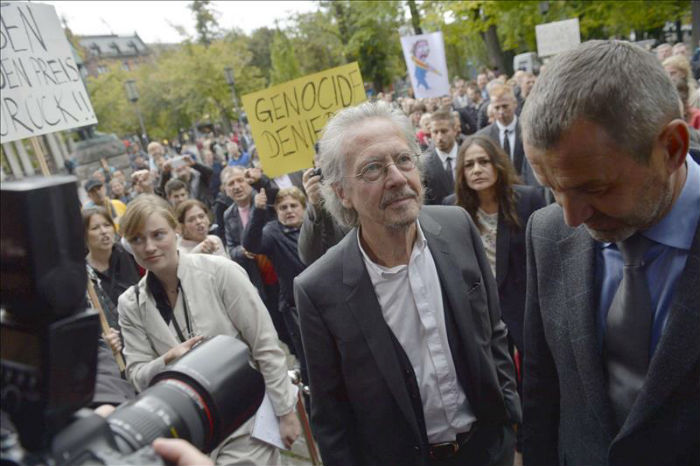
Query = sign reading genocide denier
x=41 y=90
x=286 y=120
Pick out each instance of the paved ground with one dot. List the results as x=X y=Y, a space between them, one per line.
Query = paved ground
x=299 y=456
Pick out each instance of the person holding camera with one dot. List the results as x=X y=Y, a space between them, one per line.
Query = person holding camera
x=185 y=298
x=319 y=230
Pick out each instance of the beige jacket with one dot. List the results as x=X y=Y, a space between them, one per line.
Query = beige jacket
x=221 y=301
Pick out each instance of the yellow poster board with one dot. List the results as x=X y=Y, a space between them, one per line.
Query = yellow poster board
x=286 y=120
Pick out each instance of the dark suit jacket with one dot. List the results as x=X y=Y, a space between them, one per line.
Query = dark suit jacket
x=436 y=181
x=522 y=166
x=362 y=408
x=234 y=239
x=568 y=415
x=467 y=120
x=510 y=260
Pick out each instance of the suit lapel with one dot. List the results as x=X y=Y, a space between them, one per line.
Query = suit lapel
x=502 y=249
x=678 y=348
x=364 y=306
x=438 y=168
x=456 y=291
x=577 y=258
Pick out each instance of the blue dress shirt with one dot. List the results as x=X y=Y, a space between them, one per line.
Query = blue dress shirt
x=665 y=259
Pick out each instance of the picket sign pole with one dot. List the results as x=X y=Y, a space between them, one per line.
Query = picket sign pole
x=39 y=152
x=103 y=322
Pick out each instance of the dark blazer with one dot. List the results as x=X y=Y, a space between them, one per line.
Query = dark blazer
x=436 y=181
x=522 y=166
x=363 y=406
x=510 y=260
x=568 y=415
x=234 y=241
x=467 y=120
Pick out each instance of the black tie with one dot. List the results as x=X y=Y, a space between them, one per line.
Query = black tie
x=506 y=144
x=450 y=175
x=628 y=332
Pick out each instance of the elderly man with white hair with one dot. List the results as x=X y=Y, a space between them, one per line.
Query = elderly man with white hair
x=406 y=350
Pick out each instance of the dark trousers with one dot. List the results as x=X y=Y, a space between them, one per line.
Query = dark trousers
x=272 y=304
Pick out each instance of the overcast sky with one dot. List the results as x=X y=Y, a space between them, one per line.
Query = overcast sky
x=150 y=19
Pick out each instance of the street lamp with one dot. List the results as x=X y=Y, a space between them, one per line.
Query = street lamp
x=133 y=95
x=231 y=81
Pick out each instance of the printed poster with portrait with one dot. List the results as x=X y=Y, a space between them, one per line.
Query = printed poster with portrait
x=427 y=67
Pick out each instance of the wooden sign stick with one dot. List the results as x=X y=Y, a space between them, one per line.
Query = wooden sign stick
x=103 y=322
x=39 y=152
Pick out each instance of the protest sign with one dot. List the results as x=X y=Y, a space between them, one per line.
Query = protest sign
x=556 y=37
x=427 y=67
x=42 y=91
x=286 y=120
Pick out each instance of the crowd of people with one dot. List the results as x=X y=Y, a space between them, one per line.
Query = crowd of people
x=448 y=277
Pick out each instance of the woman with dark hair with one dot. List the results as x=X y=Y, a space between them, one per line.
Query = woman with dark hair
x=487 y=188
x=110 y=268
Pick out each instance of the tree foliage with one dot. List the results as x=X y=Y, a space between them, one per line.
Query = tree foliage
x=515 y=23
x=369 y=31
x=283 y=60
x=185 y=85
x=206 y=22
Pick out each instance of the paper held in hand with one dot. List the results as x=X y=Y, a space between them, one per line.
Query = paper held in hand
x=266 y=425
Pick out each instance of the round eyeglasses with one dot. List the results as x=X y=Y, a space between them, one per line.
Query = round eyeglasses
x=375 y=171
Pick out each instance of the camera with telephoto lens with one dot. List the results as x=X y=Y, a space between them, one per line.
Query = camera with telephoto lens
x=49 y=353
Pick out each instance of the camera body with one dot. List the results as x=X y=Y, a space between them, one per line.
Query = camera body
x=49 y=353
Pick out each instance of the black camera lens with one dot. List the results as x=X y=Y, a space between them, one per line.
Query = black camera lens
x=202 y=398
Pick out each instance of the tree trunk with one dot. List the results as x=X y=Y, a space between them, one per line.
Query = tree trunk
x=415 y=17
x=493 y=47
x=224 y=116
x=679 y=31
x=340 y=15
x=696 y=25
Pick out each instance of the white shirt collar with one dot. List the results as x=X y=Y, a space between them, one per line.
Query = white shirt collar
x=510 y=127
x=452 y=154
x=418 y=246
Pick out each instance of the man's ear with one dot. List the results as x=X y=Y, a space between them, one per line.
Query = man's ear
x=675 y=140
x=342 y=195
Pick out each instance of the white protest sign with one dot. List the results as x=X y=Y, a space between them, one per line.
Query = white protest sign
x=427 y=67
x=553 y=38
x=40 y=85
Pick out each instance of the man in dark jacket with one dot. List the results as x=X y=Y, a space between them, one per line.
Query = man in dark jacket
x=239 y=187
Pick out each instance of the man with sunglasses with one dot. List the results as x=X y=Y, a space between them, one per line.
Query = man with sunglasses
x=405 y=346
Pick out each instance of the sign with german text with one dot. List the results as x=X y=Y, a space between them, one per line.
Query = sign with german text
x=286 y=120
x=556 y=37
x=41 y=90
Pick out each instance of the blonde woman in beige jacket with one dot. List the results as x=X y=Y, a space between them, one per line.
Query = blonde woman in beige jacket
x=186 y=297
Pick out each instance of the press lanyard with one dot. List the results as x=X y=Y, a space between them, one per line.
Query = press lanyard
x=187 y=318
